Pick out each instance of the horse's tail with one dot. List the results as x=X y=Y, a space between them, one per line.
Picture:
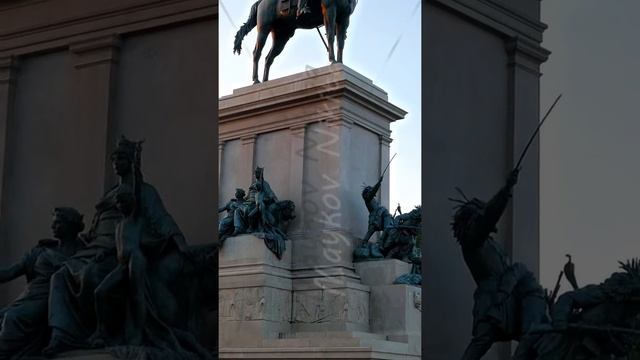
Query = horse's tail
x=246 y=27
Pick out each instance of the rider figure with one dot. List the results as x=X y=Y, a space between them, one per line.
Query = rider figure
x=303 y=8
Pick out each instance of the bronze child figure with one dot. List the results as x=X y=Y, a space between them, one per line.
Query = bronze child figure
x=131 y=267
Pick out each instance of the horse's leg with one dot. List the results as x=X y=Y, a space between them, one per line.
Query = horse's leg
x=342 y=35
x=280 y=39
x=257 y=52
x=329 y=13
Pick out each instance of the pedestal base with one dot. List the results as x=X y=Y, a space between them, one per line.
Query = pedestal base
x=268 y=311
x=395 y=309
x=395 y=312
x=254 y=292
x=86 y=355
x=342 y=345
x=381 y=272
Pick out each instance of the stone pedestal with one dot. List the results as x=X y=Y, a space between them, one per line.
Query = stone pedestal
x=319 y=136
x=395 y=308
x=381 y=272
x=396 y=313
x=255 y=292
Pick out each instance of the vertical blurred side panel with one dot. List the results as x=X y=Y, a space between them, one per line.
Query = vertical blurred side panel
x=480 y=105
x=74 y=76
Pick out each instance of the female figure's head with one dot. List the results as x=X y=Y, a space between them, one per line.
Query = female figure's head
x=125 y=159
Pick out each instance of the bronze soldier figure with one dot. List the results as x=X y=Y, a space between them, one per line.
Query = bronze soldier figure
x=379 y=217
x=508 y=300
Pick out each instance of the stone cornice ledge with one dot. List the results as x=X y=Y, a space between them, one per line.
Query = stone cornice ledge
x=526 y=55
x=60 y=32
x=498 y=17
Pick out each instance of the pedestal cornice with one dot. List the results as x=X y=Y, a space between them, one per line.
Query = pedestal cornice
x=323 y=94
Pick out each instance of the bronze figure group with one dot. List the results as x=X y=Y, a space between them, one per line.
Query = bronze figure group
x=590 y=322
x=397 y=236
x=24 y=330
x=259 y=213
x=130 y=284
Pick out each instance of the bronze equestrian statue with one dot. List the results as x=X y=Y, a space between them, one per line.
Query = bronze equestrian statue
x=273 y=17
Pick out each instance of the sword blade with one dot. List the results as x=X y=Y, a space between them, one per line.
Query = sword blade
x=322 y=38
x=385 y=169
x=524 y=152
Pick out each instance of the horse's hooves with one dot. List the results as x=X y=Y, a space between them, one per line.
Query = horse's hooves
x=256 y=82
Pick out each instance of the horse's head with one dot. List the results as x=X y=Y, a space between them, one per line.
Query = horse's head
x=414 y=217
x=625 y=283
x=284 y=210
x=410 y=221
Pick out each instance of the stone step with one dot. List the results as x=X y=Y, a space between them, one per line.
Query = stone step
x=338 y=342
x=312 y=342
x=325 y=353
x=386 y=346
x=86 y=355
x=337 y=334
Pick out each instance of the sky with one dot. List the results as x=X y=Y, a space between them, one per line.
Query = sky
x=590 y=173
x=382 y=48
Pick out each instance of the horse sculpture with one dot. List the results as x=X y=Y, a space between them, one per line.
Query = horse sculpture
x=592 y=322
x=269 y=18
x=397 y=241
